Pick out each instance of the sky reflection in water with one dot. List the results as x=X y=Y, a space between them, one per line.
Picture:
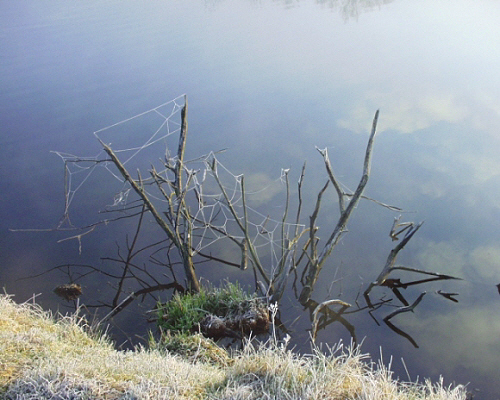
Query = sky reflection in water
x=270 y=80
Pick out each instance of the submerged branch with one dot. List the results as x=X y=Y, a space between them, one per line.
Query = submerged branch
x=320 y=307
x=130 y=298
x=391 y=259
x=399 y=311
x=130 y=255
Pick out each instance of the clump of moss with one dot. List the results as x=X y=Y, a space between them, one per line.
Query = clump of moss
x=227 y=311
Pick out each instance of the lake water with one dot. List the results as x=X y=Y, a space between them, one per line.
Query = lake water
x=269 y=81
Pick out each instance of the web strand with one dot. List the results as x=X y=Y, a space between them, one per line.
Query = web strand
x=140 y=142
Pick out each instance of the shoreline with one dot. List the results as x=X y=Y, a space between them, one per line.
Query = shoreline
x=44 y=356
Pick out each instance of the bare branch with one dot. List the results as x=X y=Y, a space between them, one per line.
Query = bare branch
x=180 y=152
x=339 y=229
x=336 y=184
x=185 y=253
x=130 y=255
x=125 y=302
x=79 y=238
x=391 y=259
x=318 y=309
x=402 y=310
x=243 y=226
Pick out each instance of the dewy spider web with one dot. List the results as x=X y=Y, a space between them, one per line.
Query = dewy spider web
x=263 y=229
x=147 y=128
x=143 y=142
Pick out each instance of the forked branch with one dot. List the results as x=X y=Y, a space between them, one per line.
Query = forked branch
x=317 y=263
x=391 y=259
x=182 y=241
x=242 y=225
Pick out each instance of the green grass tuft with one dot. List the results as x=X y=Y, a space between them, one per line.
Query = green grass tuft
x=185 y=311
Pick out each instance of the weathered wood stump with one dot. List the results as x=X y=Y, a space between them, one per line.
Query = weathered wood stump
x=255 y=320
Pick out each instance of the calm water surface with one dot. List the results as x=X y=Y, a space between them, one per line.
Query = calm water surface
x=270 y=80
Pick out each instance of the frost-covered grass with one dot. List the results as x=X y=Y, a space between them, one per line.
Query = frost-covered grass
x=42 y=357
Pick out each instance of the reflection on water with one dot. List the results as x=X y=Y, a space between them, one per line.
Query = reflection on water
x=348 y=9
x=269 y=83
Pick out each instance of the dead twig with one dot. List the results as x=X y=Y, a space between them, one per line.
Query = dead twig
x=319 y=307
x=403 y=310
x=391 y=259
x=317 y=263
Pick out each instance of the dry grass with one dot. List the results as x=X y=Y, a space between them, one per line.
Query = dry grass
x=42 y=358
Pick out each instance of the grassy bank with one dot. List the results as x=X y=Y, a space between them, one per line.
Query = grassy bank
x=41 y=357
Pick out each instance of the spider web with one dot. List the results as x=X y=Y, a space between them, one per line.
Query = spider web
x=144 y=141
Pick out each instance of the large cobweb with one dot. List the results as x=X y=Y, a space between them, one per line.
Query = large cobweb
x=150 y=140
